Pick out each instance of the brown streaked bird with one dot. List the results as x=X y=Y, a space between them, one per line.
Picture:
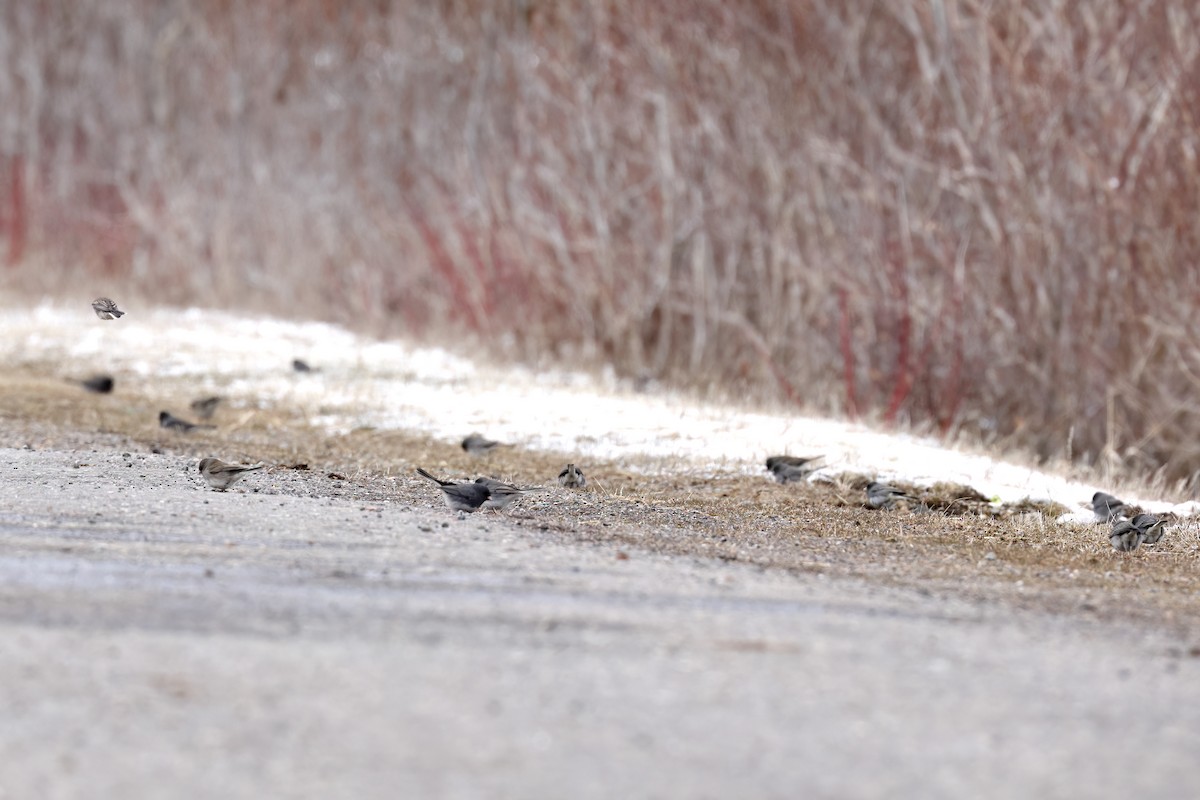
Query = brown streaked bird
x=460 y=496
x=168 y=420
x=572 y=477
x=789 y=469
x=220 y=475
x=206 y=406
x=106 y=309
x=477 y=445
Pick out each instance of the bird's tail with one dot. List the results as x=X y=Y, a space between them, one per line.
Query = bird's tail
x=438 y=481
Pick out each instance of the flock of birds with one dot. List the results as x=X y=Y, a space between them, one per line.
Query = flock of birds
x=1130 y=528
x=484 y=492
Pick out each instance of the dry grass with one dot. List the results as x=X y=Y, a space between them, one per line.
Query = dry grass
x=975 y=218
x=1022 y=558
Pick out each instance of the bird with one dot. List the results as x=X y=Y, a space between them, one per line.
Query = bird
x=460 y=496
x=1125 y=536
x=100 y=384
x=477 y=445
x=220 y=475
x=881 y=495
x=1150 y=526
x=106 y=309
x=300 y=366
x=1106 y=507
x=503 y=493
x=205 y=406
x=572 y=477
x=168 y=420
x=788 y=469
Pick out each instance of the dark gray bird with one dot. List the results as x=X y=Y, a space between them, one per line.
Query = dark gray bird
x=572 y=477
x=503 y=493
x=881 y=495
x=206 y=406
x=1125 y=537
x=1150 y=526
x=477 y=445
x=300 y=366
x=1106 y=507
x=168 y=420
x=460 y=496
x=106 y=309
x=788 y=469
x=100 y=384
x=220 y=475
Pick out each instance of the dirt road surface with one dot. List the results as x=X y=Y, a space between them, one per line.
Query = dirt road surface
x=160 y=639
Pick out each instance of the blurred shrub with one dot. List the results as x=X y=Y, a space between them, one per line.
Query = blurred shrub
x=979 y=217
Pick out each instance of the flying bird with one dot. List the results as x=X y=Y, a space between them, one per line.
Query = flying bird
x=106 y=309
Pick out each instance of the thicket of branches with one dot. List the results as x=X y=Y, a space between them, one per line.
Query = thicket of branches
x=981 y=216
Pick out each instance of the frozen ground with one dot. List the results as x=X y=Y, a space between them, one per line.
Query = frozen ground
x=365 y=383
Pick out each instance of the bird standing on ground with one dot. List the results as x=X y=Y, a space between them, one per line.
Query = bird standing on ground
x=477 y=445
x=1106 y=507
x=572 y=477
x=206 y=406
x=168 y=420
x=299 y=365
x=106 y=309
x=460 y=496
x=1150 y=526
x=788 y=469
x=1125 y=537
x=882 y=495
x=220 y=475
x=100 y=384
x=503 y=493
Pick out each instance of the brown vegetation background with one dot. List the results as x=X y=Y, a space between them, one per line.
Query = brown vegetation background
x=976 y=216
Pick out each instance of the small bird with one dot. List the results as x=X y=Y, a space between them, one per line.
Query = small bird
x=220 y=476
x=503 y=493
x=300 y=366
x=100 y=384
x=572 y=477
x=788 y=469
x=881 y=495
x=106 y=309
x=205 y=406
x=168 y=420
x=1106 y=507
x=1125 y=536
x=477 y=445
x=460 y=496
x=1150 y=526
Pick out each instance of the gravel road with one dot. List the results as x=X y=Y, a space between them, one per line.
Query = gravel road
x=158 y=639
